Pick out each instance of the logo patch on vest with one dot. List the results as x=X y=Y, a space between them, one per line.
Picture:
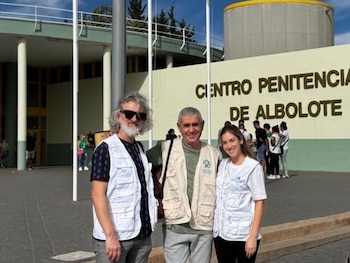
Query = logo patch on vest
x=206 y=167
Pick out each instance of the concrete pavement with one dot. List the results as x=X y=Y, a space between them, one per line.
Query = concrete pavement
x=39 y=220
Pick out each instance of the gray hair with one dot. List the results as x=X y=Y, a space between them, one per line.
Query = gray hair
x=189 y=111
x=139 y=99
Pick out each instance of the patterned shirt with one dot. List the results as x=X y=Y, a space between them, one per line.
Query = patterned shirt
x=100 y=171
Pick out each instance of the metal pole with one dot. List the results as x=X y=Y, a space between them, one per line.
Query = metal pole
x=150 y=88
x=75 y=98
x=118 y=52
x=208 y=69
x=22 y=104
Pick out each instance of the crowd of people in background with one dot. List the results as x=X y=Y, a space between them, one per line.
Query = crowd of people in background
x=270 y=145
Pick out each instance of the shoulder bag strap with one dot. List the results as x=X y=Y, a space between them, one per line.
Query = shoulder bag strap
x=166 y=164
x=285 y=142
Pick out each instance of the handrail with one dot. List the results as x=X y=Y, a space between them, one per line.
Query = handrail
x=81 y=23
x=183 y=39
x=36 y=20
x=39 y=14
x=155 y=34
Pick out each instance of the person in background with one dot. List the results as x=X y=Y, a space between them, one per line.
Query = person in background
x=124 y=206
x=171 y=134
x=261 y=143
x=4 y=152
x=241 y=121
x=240 y=195
x=245 y=133
x=284 y=147
x=189 y=192
x=274 y=152
x=267 y=128
x=83 y=145
x=30 y=151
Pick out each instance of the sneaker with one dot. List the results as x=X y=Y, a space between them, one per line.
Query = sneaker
x=86 y=168
x=285 y=176
x=271 y=176
x=80 y=169
x=278 y=176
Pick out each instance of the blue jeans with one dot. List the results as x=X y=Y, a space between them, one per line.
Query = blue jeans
x=260 y=155
x=133 y=251
x=82 y=160
x=3 y=159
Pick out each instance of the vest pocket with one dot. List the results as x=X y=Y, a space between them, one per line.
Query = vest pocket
x=205 y=216
x=207 y=205
x=173 y=208
x=208 y=194
x=238 y=226
x=234 y=201
x=124 y=187
x=123 y=216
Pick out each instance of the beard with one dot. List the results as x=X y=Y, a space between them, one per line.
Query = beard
x=130 y=131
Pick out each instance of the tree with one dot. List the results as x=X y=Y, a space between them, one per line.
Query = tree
x=102 y=16
x=172 y=20
x=136 y=12
x=161 y=21
x=167 y=24
x=189 y=33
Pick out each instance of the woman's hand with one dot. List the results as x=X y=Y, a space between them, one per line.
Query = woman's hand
x=250 y=246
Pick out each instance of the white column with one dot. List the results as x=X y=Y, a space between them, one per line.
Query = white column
x=107 y=86
x=169 y=61
x=22 y=104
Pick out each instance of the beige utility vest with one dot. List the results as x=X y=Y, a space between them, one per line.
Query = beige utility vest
x=177 y=209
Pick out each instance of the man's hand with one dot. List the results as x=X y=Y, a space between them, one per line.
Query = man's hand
x=113 y=248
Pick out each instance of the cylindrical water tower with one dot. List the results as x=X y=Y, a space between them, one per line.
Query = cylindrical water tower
x=261 y=27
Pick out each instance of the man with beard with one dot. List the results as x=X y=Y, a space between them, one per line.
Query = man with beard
x=124 y=207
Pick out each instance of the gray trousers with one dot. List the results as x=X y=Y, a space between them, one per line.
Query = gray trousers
x=184 y=248
x=133 y=251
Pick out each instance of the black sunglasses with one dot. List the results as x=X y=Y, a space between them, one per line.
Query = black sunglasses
x=129 y=114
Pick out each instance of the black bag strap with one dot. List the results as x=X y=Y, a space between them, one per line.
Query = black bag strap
x=285 y=142
x=166 y=165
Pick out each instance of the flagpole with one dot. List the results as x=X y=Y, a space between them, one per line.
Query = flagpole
x=208 y=69
x=75 y=98
x=150 y=89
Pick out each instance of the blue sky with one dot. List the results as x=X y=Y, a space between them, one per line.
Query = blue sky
x=194 y=14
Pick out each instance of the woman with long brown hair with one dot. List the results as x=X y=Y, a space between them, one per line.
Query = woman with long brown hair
x=240 y=195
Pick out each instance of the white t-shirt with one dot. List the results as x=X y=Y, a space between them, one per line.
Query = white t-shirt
x=285 y=139
x=275 y=148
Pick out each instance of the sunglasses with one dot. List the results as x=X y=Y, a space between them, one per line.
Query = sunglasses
x=129 y=114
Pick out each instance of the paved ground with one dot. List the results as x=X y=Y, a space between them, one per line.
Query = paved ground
x=39 y=220
x=335 y=252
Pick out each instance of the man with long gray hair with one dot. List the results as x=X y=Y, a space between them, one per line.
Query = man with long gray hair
x=124 y=207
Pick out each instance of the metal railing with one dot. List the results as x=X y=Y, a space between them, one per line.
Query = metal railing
x=87 y=19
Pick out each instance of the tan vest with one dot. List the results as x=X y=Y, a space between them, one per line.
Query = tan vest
x=177 y=209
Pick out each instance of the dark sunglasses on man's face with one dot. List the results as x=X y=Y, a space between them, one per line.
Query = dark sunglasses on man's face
x=129 y=114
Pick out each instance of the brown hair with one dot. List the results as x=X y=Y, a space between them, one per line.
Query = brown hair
x=246 y=150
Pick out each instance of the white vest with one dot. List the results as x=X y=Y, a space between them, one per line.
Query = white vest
x=235 y=208
x=177 y=209
x=124 y=193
